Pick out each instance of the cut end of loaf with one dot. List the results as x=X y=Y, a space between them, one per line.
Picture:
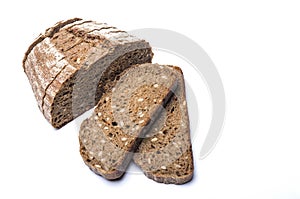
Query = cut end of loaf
x=74 y=62
x=72 y=101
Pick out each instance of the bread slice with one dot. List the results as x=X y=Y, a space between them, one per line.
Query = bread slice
x=122 y=117
x=74 y=62
x=166 y=154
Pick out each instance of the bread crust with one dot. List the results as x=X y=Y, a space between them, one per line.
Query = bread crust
x=48 y=33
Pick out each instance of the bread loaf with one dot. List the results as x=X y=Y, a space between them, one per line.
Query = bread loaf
x=74 y=62
x=165 y=155
x=123 y=116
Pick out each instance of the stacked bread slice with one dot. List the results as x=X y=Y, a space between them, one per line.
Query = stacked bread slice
x=141 y=110
x=165 y=155
x=144 y=116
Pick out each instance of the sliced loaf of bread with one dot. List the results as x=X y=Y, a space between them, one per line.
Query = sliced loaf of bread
x=123 y=116
x=74 y=62
x=165 y=155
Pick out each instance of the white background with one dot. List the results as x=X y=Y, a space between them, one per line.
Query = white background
x=255 y=46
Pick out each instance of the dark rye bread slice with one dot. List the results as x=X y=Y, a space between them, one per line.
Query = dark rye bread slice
x=165 y=155
x=122 y=117
x=74 y=62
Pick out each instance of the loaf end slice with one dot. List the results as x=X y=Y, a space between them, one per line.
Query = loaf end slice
x=165 y=155
x=123 y=116
x=74 y=62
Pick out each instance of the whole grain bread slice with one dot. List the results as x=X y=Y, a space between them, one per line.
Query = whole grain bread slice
x=123 y=116
x=74 y=62
x=165 y=155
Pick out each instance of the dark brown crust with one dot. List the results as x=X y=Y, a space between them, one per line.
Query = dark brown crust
x=169 y=180
x=176 y=68
x=48 y=33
